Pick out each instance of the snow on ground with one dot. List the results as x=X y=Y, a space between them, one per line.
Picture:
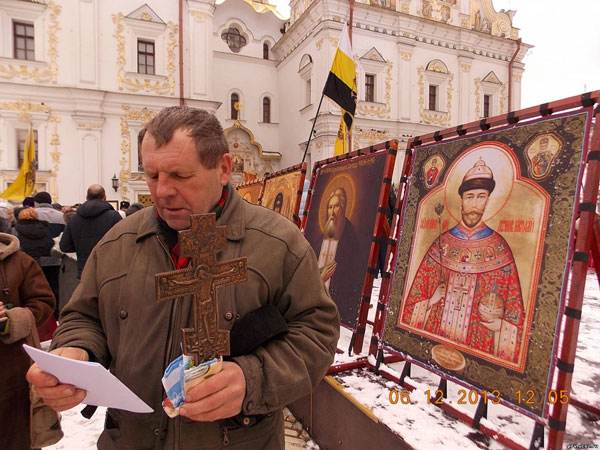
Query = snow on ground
x=423 y=425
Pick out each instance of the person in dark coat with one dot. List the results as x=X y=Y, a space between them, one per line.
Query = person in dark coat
x=92 y=220
x=135 y=207
x=33 y=234
x=24 y=288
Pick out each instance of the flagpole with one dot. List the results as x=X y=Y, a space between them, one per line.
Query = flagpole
x=313 y=127
x=350 y=36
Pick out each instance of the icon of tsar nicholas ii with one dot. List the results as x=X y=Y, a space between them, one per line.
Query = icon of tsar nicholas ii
x=466 y=289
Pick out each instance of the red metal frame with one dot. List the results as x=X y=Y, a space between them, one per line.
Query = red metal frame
x=566 y=353
x=391 y=250
x=583 y=245
x=378 y=231
x=298 y=167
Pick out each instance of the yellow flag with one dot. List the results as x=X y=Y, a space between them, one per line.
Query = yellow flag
x=341 y=142
x=23 y=186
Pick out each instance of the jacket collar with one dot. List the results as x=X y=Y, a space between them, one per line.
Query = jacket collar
x=233 y=216
x=9 y=244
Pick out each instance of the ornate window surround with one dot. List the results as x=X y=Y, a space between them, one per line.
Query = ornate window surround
x=273 y=106
x=127 y=32
x=141 y=30
x=19 y=114
x=305 y=71
x=244 y=32
x=13 y=122
x=241 y=113
x=436 y=74
x=492 y=86
x=130 y=179
x=44 y=68
x=372 y=63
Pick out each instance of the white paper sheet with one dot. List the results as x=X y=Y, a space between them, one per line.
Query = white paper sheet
x=103 y=388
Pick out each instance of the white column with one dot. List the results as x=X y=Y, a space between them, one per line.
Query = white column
x=516 y=86
x=87 y=43
x=89 y=130
x=466 y=99
x=199 y=59
x=405 y=52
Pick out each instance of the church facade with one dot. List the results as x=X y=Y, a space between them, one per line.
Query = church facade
x=87 y=75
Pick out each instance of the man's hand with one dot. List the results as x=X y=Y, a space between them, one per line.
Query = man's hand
x=328 y=271
x=59 y=397
x=219 y=397
x=493 y=325
x=438 y=295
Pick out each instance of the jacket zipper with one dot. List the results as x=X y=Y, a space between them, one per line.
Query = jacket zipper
x=175 y=317
x=225 y=436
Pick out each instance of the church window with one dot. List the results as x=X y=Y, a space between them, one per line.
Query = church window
x=145 y=57
x=234 y=39
x=308 y=93
x=487 y=100
x=266 y=110
x=21 y=137
x=433 y=90
x=234 y=100
x=369 y=88
x=24 y=41
x=265 y=51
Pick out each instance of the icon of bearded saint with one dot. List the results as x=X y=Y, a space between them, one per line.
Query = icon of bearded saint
x=338 y=262
x=469 y=292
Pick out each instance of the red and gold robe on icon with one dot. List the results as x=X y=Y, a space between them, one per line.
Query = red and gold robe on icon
x=482 y=285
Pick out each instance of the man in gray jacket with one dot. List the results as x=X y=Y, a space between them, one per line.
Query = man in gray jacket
x=284 y=326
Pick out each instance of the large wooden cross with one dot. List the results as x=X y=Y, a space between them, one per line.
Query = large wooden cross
x=201 y=278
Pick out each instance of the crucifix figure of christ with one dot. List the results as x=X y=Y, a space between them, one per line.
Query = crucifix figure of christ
x=201 y=278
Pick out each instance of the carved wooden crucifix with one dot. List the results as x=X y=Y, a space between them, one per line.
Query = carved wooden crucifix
x=201 y=278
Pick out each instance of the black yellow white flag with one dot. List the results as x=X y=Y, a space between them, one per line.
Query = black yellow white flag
x=341 y=82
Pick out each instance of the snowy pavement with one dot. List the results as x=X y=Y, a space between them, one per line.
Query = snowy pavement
x=425 y=426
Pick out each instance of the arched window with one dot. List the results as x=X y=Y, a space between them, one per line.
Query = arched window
x=234 y=99
x=265 y=51
x=234 y=39
x=266 y=110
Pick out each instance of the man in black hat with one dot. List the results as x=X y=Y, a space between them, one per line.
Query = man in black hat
x=470 y=294
x=123 y=207
x=43 y=206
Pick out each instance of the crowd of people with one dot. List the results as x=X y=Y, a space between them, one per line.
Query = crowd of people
x=30 y=267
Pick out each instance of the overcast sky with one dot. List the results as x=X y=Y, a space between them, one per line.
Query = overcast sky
x=565 y=60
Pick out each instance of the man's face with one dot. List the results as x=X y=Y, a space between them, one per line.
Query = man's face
x=335 y=217
x=179 y=184
x=473 y=205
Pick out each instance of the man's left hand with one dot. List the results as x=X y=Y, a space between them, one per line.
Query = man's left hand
x=219 y=397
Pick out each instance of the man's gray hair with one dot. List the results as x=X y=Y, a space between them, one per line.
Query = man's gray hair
x=203 y=127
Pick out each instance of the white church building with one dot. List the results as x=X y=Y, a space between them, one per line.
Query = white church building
x=87 y=74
